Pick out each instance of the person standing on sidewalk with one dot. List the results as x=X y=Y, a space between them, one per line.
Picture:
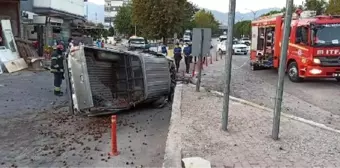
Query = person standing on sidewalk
x=164 y=50
x=57 y=68
x=177 y=56
x=187 y=56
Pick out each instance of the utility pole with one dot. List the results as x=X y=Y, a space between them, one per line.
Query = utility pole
x=135 y=30
x=282 y=68
x=87 y=10
x=254 y=13
x=96 y=18
x=228 y=60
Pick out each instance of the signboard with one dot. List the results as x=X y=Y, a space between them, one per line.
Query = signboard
x=201 y=36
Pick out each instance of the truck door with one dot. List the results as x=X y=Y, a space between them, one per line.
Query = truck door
x=79 y=82
x=301 y=42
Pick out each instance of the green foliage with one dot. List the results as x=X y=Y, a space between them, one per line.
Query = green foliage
x=272 y=12
x=316 y=5
x=123 y=21
x=205 y=19
x=242 y=28
x=105 y=33
x=333 y=7
x=158 y=18
x=188 y=22
x=295 y=7
x=111 y=31
x=100 y=25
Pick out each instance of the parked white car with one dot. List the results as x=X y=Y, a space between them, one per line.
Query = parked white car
x=245 y=40
x=241 y=49
x=237 y=47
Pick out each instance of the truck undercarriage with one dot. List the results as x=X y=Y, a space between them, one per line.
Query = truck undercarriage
x=105 y=81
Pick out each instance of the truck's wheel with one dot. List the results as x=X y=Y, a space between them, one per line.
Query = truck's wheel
x=337 y=79
x=254 y=67
x=293 y=72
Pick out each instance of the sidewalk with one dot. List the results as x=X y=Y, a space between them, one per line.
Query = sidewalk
x=195 y=131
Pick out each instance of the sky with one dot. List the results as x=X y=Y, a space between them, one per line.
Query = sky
x=243 y=6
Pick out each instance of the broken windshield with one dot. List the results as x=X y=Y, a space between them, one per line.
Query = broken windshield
x=326 y=35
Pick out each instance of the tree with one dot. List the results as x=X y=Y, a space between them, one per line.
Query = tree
x=333 y=7
x=242 y=28
x=295 y=7
x=316 y=5
x=105 y=33
x=188 y=21
x=111 y=31
x=123 y=21
x=100 y=25
x=205 y=19
x=158 y=18
x=272 y=12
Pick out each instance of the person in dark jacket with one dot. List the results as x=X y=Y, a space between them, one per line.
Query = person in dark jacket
x=164 y=50
x=57 y=68
x=188 y=57
x=177 y=56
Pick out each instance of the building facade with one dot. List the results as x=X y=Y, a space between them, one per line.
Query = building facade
x=9 y=9
x=58 y=15
x=111 y=8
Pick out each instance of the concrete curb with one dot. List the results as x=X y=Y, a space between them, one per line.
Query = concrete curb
x=173 y=154
x=309 y=122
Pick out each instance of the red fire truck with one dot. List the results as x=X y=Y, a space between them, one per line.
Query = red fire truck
x=314 y=45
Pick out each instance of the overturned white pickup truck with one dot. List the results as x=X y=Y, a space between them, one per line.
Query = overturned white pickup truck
x=102 y=81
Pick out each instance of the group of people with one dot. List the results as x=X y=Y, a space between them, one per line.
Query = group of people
x=178 y=55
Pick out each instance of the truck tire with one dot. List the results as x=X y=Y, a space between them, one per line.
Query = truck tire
x=337 y=79
x=254 y=67
x=293 y=72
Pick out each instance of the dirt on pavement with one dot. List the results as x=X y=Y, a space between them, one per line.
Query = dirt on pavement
x=45 y=134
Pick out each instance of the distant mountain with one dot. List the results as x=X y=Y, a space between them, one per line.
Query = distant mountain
x=223 y=17
x=95 y=12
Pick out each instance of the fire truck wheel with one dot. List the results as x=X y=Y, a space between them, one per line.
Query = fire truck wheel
x=337 y=79
x=254 y=67
x=293 y=72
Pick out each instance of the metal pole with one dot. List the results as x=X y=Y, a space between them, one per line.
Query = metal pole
x=282 y=68
x=199 y=76
x=229 y=46
x=135 y=30
x=87 y=10
x=40 y=35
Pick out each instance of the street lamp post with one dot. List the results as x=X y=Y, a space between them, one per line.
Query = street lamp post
x=254 y=13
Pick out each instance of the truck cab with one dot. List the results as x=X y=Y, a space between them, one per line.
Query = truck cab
x=314 y=45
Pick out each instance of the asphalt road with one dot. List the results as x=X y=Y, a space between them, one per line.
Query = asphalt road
x=36 y=129
x=315 y=100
